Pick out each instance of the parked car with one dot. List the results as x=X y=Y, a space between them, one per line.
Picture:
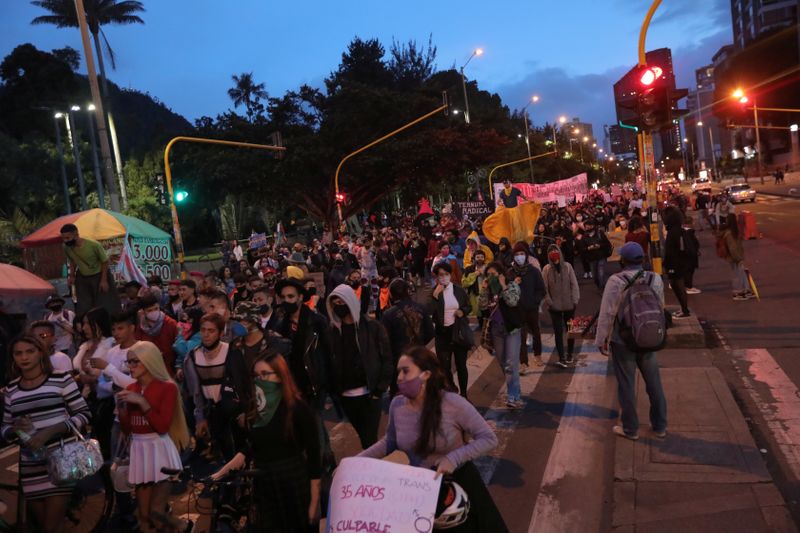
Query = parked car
x=741 y=192
x=701 y=184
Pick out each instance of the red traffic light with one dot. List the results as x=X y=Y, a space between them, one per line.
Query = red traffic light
x=339 y=197
x=650 y=75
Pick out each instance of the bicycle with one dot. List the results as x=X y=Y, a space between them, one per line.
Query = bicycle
x=224 y=517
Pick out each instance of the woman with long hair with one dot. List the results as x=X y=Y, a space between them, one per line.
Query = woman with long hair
x=732 y=239
x=283 y=444
x=41 y=408
x=429 y=424
x=151 y=412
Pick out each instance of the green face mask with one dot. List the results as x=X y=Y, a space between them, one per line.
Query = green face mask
x=494 y=285
x=268 y=398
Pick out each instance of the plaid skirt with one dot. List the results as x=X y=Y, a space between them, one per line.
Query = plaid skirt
x=282 y=495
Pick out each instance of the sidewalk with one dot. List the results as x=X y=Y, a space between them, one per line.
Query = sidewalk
x=708 y=474
x=790 y=187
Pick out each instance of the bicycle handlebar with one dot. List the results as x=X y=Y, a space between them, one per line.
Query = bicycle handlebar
x=186 y=472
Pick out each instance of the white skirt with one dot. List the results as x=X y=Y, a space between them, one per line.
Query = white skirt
x=150 y=452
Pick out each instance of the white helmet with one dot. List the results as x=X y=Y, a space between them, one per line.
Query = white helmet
x=453 y=507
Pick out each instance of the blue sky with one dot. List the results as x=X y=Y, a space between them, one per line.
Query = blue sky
x=569 y=52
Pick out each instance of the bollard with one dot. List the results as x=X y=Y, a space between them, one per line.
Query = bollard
x=747 y=225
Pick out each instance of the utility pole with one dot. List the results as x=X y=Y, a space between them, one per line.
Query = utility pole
x=77 y=156
x=60 y=148
x=102 y=130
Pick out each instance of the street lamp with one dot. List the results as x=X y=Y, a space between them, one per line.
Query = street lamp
x=743 y=99
x=476 y=52
x=56 y=118
x=561 y=120
x=533 y=100
x=101 y=197
x=713 y=151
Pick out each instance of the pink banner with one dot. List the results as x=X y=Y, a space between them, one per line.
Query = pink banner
x=549 y=192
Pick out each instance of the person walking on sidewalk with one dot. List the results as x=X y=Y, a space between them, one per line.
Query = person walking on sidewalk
x=734 y=253
x=678 y=252
x=562 y=296
x=530 y=282
x=625 y=360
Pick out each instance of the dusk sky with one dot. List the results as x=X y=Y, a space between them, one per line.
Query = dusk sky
x=569 y=53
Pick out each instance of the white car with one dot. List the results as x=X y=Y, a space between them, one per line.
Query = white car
x=701 y=184
x=740 y=193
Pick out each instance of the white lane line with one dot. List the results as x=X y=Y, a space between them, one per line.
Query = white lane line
x=582 y=434
x=780 y=406
x=8 y=451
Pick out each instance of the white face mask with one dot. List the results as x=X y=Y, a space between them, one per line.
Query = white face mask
x=519 y=259
x=578 y=218
x=444 y=280
x=152 y=316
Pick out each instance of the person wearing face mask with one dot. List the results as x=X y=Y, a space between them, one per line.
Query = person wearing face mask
x=361 y=362
x=156 y=327
x=257 y=341
x=445 y=256
x=505 y=255
x=281 y=442
x=264 y=300
x=338 y=273
x=595 y=248
x=174 y=304
x=362 y=289
x=529 y=278
x=472 y=277
x=88 y=272
x=430 y=424
x=473 y=245
x=562 y=296
x=450 y=303
x=311 y=299
x=307 y=330
x=62 y=319
x=217 y=379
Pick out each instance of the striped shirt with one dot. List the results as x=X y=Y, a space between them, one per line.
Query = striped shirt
x=55 y=401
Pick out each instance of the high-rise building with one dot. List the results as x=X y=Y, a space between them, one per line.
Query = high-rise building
x=622 y=140
x=752 y=18
x=584 y=129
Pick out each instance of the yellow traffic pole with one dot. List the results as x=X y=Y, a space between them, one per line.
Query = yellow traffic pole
x=373 y=143
x=491 y=172
x=168 y=173
x=643 y=32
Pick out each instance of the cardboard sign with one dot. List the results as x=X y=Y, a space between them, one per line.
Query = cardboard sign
x=375 y=496
x=257 y=240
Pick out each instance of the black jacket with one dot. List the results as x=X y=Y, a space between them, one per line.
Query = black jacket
x=375 y=352
x=680 y=251
x=406 y=323
x=599 y=238
x=437 y=305
x=532 y=285
x=309 y=359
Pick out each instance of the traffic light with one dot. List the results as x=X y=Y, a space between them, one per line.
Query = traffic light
x=340 y=197
x=181 y=196
x=653 y=98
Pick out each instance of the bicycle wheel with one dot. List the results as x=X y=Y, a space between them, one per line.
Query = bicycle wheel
x=92 y=504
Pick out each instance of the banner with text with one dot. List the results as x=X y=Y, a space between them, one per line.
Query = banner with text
x=549 y=192
x=472 y=210
x=378 y=496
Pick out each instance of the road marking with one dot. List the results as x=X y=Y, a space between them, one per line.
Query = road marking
x=582 y=434
x=780 y=406
x=8 y=451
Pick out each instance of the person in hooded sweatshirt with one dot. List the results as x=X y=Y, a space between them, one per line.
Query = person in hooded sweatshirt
x=561 y=296
x=505 y=255
x=361 y=362
x=529 y=279
x=473 y=245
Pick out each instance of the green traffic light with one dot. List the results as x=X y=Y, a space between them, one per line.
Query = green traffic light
x=180 y=196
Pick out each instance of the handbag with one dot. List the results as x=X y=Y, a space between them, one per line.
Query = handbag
x=463 y=336
x=121 y=465
x=72 y=461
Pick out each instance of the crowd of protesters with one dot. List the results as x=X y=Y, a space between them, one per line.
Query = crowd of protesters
x=239 y=364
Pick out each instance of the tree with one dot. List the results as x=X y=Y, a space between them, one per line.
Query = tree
x=99 y=13
x=248 y=93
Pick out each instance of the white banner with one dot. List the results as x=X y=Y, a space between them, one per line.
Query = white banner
x=376 y=496
x=549 y=192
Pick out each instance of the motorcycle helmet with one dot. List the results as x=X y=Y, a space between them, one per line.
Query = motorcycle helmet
x=452 y=509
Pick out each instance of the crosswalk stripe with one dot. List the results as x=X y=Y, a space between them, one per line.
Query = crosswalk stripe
x=780 y=408
x=580 y=439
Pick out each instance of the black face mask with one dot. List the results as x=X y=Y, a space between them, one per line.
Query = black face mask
x=289 y=308
x=174 y=297
x=354 y=283
x=72 y=242
x=310 y=291
x=341 y=310
x=264 y=309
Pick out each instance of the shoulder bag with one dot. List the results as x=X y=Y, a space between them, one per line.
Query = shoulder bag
x=69 y=462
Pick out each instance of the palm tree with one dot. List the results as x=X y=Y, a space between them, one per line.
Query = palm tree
x=247 y=92
x=98 y=13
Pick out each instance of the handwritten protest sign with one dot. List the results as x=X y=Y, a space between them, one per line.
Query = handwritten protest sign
x=258 y=240
x=472 y=210
x=549 y=192
x=374 y=496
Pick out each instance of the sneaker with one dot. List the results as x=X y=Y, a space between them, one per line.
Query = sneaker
x=524 y=369
x=693 y=291
x=590 y=275
x=680 y=314
x=740 y=297
x=515 y=404
x=585 y=275
x=621 y=433
x=562 y=363
x=660 y=434
x=570 y=360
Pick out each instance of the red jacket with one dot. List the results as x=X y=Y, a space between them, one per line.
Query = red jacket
x=161 y=397
x=164 y=340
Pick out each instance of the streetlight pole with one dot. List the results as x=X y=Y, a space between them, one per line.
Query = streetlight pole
x=60 y=148
x=76 y=154
x=758 y=142
x=476 y=52
x=534 y=99
x=101 y=196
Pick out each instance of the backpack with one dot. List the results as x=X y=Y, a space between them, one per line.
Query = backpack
x=642 y=325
